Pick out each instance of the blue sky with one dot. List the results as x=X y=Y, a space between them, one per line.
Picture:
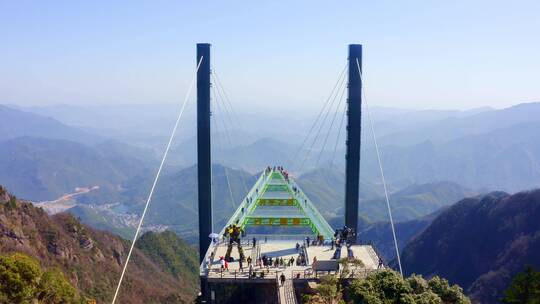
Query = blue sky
x=284 y=54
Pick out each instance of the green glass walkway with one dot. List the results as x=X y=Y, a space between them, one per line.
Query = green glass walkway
x=276 y=200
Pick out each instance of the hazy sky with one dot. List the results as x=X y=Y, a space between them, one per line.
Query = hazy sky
x=421 y=54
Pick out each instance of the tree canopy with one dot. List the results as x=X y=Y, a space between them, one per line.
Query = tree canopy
x=22 y=280
x=385 y=287
x=525 y=288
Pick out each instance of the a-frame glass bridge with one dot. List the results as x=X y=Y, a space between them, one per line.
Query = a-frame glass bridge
x=277 y=201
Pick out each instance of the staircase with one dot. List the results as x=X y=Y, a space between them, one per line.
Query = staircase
x=286 y=293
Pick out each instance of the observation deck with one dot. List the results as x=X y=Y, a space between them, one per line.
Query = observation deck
x=276 y=202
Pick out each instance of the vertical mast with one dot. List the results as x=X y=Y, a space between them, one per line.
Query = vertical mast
x=354 y=113
x=203 y=148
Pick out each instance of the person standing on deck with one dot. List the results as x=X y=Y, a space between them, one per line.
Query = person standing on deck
x=222 y=263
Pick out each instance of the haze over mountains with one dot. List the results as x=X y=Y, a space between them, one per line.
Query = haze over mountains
x=497 y=148
x=432 y=159
x=449 y=153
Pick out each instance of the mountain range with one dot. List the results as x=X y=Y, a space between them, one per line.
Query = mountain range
x=432 y=159
x=480 y=243
x=16 y=123
x=174 y=204
x=45 y=169
x=481 y=149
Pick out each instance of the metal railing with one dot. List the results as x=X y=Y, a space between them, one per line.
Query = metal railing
x=322 y=226
x=253 y=195
x=309 y=273
x=268 y=273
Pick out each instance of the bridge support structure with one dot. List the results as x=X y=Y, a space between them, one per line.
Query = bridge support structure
x=204 y=169
x=354 y=125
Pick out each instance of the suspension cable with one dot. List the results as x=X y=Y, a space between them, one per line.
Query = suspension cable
x=322 y=125
x=340 y=76
x=219 y=85
x=156 y=180
x=382 y=171
x=230 y=120
x=331 y=125
x=220 y=145
x=338 y=135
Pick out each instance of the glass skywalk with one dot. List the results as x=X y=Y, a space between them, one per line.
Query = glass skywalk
x=276 y=200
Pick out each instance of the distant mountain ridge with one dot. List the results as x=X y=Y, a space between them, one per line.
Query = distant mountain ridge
x=480 y=243
x=478 y=149
x=451 y=128
x=45 y=169
x=506 y=158
x=16 y=123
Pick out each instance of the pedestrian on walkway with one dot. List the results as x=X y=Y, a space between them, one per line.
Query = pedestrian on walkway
x=282 y=279
x=249 y=261
x=241 y=265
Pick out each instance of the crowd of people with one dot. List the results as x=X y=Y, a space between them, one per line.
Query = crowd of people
x=265 y=262
x=280 y=169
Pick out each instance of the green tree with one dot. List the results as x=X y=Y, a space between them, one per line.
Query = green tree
x=19 y=278
x=23 y=281
x=54 y=288
x=447 y=293
x=380 y=287
x=389 y=287
x=525 y=288
x=329 y=290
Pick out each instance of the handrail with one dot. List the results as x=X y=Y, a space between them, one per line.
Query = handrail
x=213 y=246
x=254 y=195
x=304 y=249
x=278 y=289
x=279 y=237
x=325 y=229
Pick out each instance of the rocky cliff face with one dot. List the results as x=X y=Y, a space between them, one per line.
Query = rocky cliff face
x=480 y=243
x=91 y=259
